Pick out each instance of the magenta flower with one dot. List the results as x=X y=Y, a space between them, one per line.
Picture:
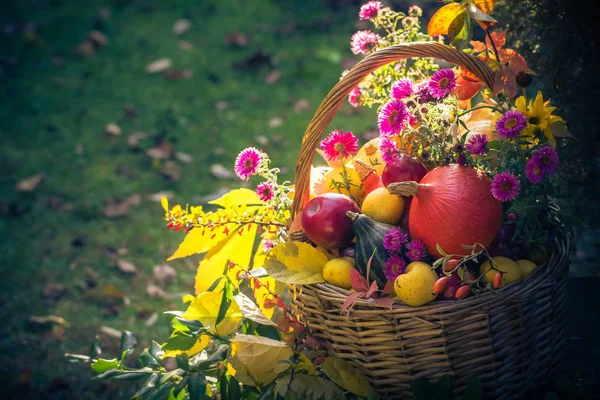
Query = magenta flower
x=394 y=240
x=423 y=91
x=415 y=250
x=354 y=98
x=370 y=10
x=477 y=145
x=533 y=171
x=505 y=186
x=402 y=89
x=363 y=41
x=392 y=118
x=511 y=124
x=394 y=266
x=247 y=163
x=339 y=144
x=389 y=151
x=547 y=158
x=442 y=83
x=265 y=191
x=267 y=245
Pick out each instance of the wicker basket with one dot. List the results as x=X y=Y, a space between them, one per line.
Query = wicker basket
x=510 y=338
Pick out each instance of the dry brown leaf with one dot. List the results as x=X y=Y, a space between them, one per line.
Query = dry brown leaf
x=261 y=140
x=126 y=266
x=112 y=129
x=151 y=320
x=110 y=332
x=48 y=319
x=301 y=106
x=221 y=105
x=84 y=50
x=171 y=171
x=155 y=291
x=135 y=138
x=275 y=122
x=159 y=66
x=185 y=45
x=79 y=149
x=273 y=77
x=238 y=39
x=54 y=291
x=29 y=184
x=118 y=208
x=178 y=74
x=157 y=197
x=184 y=157
x=163 y=274
x=98 y=39
x=161 y=152
x=181 y=26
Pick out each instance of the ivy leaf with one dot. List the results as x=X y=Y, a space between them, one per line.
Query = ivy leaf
x=251 y=311
x=128 y=342
x=197 y=386
x=151 y=355
x=346 y=376
x=258 y=360
x=441 y=20
x=147 y=387
x=103 y=365
x=179 y=341
x=183 y=361
x=296 y=263
x=95 y=349
x=307 y=387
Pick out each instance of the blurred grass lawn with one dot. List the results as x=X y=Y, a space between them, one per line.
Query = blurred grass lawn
x=55 y=103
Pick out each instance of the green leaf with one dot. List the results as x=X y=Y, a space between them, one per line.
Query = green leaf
x=190 y=324
x=179 y=341
x=460 y=31
x=180 y=394
x=197 y=386
x=422 y=389
x=443 y=387
x=103 y=365
x=219 y=355
x=234 y=388
x=148 y=386
x=151 y=355
x=473 y=391
x=306 y=387
x=128 y=342
x=183 y=361
x=160 y=393
x=95 y=349
x=225 y=301
x=439 y=249
x=130 y=376
x=215 y=284
x=224 y=386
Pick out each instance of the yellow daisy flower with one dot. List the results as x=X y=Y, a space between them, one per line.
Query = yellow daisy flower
x=539 y=118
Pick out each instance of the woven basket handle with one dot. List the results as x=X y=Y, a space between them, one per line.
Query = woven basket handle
x=332 y=103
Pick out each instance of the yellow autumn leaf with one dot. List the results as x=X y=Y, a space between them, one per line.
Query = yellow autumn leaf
x=346 y=376
x=258 y=360
x=237 y=197
x=305 y=365
x=205 y=308
x=262 y=293
x=200 y=345
x=296 y=263
x=487 y=6
x=165 y=203
x=200 y=240
x=441 y=20
x=237 y=249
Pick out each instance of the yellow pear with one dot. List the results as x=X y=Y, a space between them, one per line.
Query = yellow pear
x=383 y=206
x=415 y=285
x=526 y=267
x=510 y=269
x=337 y=272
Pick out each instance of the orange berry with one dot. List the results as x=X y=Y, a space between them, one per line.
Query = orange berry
x=462 y=291
x=497 y=280
x=451 y=264
x=440 y=285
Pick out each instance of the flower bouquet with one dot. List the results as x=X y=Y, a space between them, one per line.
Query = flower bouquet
x=433 y=253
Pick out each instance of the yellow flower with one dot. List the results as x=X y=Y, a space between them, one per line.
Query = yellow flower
x=539 y=118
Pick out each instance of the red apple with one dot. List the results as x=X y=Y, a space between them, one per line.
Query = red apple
x=405 y=169
x=325 y=222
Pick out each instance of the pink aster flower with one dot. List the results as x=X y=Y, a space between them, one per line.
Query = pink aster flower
x=402 y=89
x=477 y=145
x=392 y=118
x=370 y=10
x=533 y=171
x=511 y=124
x=267 y=245
x=389 y=151
x=423 y=91
x=354 y=98
x=442 y=83
x=394 y=266
x=265 y=191
x=339 y=144
x=363 y=41
x=415 y=11
x=247 y=163
x=505 y=186
x=415 y=250
x=394 y=240
x=547 y=158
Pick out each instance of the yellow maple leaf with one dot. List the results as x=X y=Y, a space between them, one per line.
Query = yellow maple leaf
x=205 y=308
x=346 y=376
x=258 y=360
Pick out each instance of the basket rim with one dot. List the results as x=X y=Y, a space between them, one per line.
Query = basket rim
x=555 y=267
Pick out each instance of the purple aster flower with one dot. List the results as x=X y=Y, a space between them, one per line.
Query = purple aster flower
x=415 y=250
x=402 y=89
x=354 y=98
x=247 y=163
x=547 y=158
x=389 y=151
x=363 y=41
x=477 y=145
x=505 y=186
x=394 y=266
x=265 y=191
x=442 y=83
x=423 y=91
x=370 y=10
x=511 y=124
x=392 y=118
x=394 y=240
x=533 y=171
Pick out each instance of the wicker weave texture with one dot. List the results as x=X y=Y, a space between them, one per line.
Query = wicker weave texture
x=510 y=338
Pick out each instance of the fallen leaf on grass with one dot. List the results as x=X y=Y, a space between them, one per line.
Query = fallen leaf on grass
x=79 y=149
x=254 y=61
x=54 y=291
x=273 y=77
x=29 y=184
x=135 y=138
x=112 y=129
x=221 y=105
x=157 y=197
x=48 y=320
x=117 y=208
x=160 y=152
x=155 y=291
x=275 y=122
x=98 y=39
x=85 y=50
x=163 y=274
x=301 y=106
x=181 y=26
x=110 y=332
x=219 y=171
x=184 y=157
x=185 y=45
x=262 y=140
x=126 y=266
x=151 y=321
x=178 y=74
x=171 y=171
x=159 y=66
x=238 y=39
